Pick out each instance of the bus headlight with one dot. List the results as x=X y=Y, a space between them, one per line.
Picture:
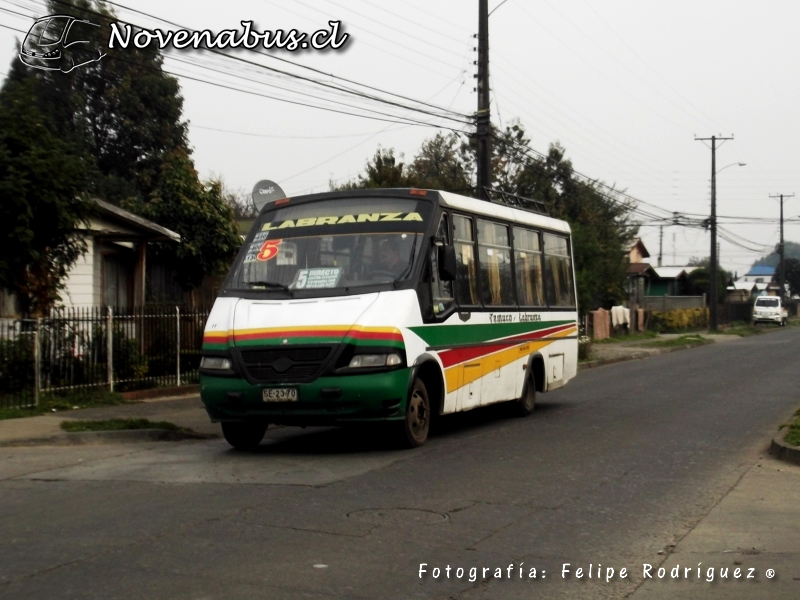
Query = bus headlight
x=360 y=361
x=215 y=363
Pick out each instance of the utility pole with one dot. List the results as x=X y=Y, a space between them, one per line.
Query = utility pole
x=712 y=288
x=782 y=276
x=660 y=242
x=482 y=117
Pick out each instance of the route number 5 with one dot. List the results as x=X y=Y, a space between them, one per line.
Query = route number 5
x=268 y=250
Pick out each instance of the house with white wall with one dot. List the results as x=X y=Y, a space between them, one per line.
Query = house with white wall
x=113 y=270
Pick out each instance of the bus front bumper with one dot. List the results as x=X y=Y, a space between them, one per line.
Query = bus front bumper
x=328 y=400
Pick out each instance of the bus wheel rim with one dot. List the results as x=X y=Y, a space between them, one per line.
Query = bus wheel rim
x=418 y=416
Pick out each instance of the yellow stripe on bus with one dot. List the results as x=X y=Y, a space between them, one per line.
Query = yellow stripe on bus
x=456 y=376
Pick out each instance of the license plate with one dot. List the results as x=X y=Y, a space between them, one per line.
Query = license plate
x=279 y=394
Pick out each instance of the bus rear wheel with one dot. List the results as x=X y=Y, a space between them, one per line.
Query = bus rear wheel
x=413 y=430
x=527 y=402
x=244 y=436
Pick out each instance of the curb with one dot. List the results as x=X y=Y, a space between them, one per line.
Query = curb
x=181 y=390
x=638 y=355
x=783 y=451
x=110 y=437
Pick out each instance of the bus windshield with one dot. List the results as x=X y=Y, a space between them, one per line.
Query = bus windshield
x=332 y=244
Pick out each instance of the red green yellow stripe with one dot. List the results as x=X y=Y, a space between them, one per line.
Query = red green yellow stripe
x=357 y=334
x=483 y=360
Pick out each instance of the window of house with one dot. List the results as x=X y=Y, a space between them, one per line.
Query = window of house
x=118 y=280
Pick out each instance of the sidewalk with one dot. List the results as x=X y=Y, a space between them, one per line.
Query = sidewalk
x=611 y=352
x=184 y=411
x=755 y=526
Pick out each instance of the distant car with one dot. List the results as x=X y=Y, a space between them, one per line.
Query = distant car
x=769 y=309
x=60 y=43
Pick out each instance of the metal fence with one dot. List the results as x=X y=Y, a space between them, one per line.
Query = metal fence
x=98 y=349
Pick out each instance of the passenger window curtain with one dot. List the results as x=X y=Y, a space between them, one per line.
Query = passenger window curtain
x=495 y=258
x=558 y=271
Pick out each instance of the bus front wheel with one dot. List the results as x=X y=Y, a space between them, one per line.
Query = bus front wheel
x=524 y=405
x=244 y=436
x=413 y=430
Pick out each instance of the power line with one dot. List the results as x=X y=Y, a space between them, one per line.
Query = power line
x=461 y=117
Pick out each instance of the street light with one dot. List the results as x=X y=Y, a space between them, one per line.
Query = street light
x=732 y=165
x=712 y=288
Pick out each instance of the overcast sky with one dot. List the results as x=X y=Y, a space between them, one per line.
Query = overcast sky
x=623 y=85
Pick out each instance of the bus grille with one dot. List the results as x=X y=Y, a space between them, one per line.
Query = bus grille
x=285 y=365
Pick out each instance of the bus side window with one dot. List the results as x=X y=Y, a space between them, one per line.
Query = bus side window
x=441 y=291
x=558 y=271
x=466 y=278
x=528 y=267
x=497 y=288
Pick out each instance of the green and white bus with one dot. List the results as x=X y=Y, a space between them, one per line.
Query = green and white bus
x=391 y=305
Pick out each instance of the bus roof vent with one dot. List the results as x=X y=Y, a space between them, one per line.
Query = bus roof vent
x=501 y=197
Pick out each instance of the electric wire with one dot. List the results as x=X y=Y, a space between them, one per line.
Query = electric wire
x=462 y=118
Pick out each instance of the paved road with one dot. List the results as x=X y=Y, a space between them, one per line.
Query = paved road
x=609 y=472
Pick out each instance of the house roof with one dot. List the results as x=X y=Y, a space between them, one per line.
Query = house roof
x=120 y=224
x=642 y=250
x=761 y=271
x=640 y=269
x=670 y=272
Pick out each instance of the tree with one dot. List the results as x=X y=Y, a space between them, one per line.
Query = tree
x=601 y=222
x=198 y=213
x=602 y=228
x=773 y=259
x=442 y=165
x=793 y=275
x=699 y=281
x=383 y=171
x=119 y=121
x=43 y=180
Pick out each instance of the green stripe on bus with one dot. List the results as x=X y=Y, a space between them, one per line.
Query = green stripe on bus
x=447 y=335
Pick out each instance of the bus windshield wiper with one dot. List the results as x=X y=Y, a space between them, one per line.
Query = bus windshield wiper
x=272 y=284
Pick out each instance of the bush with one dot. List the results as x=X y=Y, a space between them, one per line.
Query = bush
x=584 y=347
x=679 y=320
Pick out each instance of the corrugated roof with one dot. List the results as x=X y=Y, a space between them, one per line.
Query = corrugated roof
x=669 y=272
x=153 y=231
x=761 y=271
x=638 y=268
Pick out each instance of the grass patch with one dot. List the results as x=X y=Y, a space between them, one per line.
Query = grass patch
x=71 y=401
x=792 y=436
x=743 y=330
x=632 y=337
x=682 y=340
x=120 y=424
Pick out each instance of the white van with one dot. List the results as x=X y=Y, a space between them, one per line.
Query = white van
x=769 y=309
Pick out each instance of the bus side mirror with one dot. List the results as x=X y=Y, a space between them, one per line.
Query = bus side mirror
x=446 y=258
